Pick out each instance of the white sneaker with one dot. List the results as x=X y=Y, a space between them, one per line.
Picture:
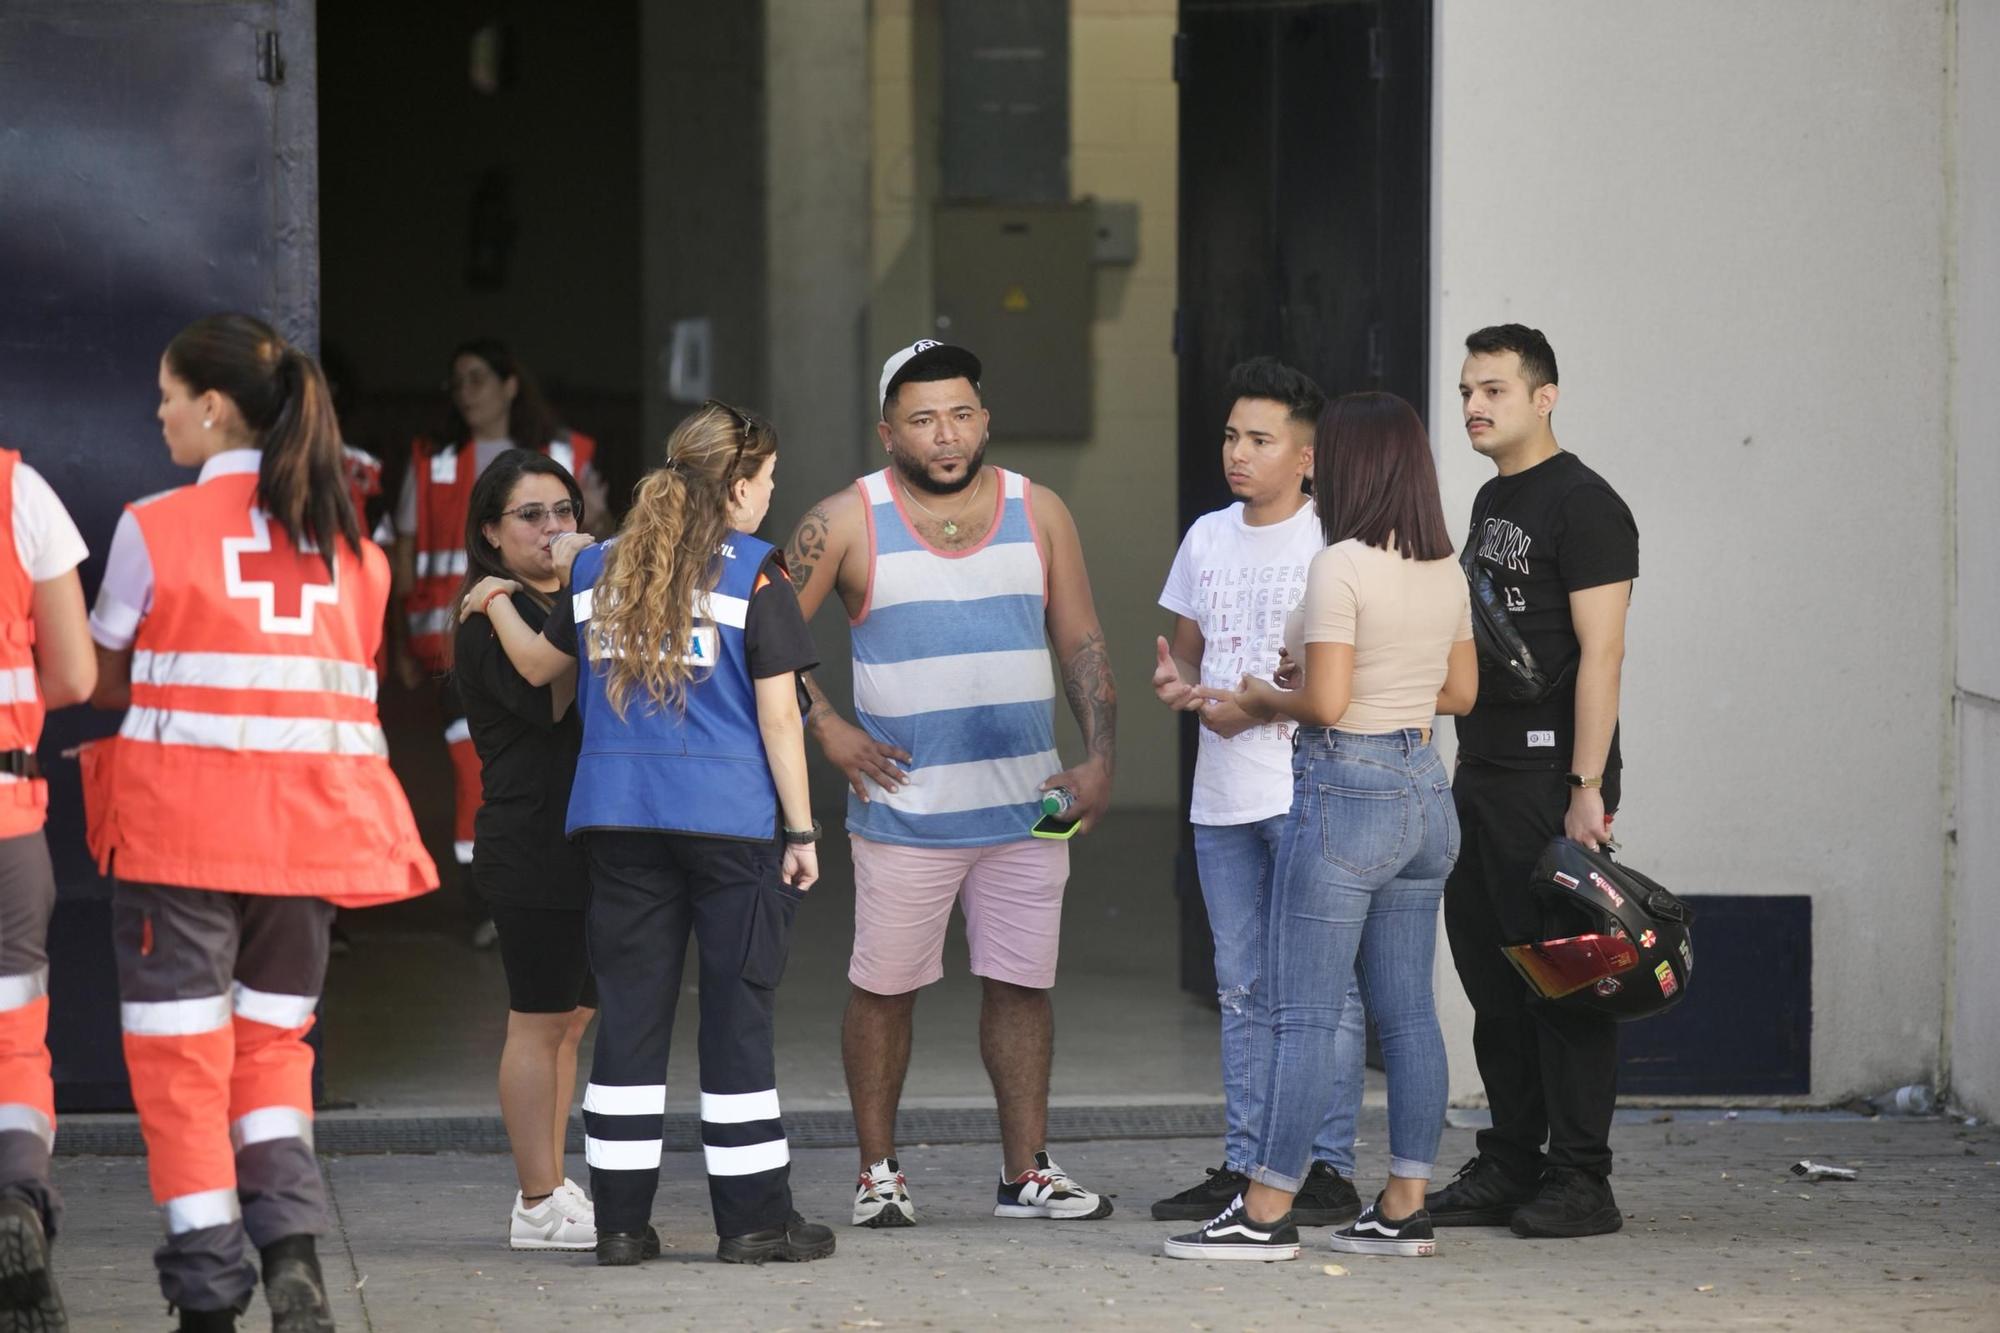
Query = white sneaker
x=1048 y=1191
x=575 y=1191
x=882 y=1198
x=563 y=1221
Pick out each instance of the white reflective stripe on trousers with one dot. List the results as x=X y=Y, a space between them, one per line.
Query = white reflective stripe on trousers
x=622 y=1154
x=273 y=1007
x=736 y=1108
x=747 y=1160
x=625 y=1099
x=209 y=1208
x=174 y=1018
x=459 y=730
x=19 y=1116
x=18 y=686
x=440 y=620
x=461 y=851
x=231 y=731
x=255 y=671
x=17 y=992
x=270 y=1122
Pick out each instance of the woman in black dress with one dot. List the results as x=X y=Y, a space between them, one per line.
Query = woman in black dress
x=526 y=871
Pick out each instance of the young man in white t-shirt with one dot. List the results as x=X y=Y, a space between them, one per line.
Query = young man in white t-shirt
x=1238 y=571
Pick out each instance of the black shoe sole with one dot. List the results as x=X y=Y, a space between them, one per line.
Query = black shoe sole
x=1600 y=1223
x=624 y=1251
x=891 y=1218
x=735 y=1250
x=28 y=1299
x=298 y=1305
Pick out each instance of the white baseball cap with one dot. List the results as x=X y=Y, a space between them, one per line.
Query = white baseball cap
x=923 y=353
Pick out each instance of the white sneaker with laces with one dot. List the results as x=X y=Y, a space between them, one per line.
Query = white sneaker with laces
x=882 y=1198
x=563 y=1221
x=575 y=1191
x=1048 y=1191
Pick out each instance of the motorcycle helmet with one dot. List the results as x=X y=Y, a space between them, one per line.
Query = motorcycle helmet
x=1611 y=940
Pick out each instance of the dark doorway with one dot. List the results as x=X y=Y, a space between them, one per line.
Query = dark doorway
x=1304 y=233
x=480 y=177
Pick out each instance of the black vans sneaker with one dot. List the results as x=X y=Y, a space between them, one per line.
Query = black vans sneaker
x=1198 y=1203
x=1371 y=1233
x=1572 y=1202
x=1326 y=1199
x=1482 y=1194
x=1234 y=1236
x=797 y=1242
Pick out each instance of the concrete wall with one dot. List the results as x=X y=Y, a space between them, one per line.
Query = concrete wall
x=1731 y=224
x=1975 y=308
x=1121 y=483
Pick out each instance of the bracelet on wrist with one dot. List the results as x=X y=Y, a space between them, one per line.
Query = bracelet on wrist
x=802 y=837
x=485 y=607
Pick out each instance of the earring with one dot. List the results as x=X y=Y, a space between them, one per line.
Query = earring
x=207 y=423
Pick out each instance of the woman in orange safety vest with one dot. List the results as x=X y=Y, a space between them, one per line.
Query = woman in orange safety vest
x=45 y=662
x=246 y=795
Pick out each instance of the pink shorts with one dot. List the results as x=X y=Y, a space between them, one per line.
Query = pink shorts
x=1012 y=895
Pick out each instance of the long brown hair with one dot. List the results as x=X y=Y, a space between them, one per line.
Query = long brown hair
x=489 y=499
x=283 y=399
x=1374 y=478
x=531 y=422
x=665 y=556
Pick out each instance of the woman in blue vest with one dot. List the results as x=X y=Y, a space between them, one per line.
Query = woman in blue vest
x=691 y=800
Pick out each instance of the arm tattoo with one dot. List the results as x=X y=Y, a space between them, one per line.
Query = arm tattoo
x=808 y=547
x=1093 y=697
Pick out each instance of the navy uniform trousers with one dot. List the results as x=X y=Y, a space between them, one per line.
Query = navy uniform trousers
x=648 y=893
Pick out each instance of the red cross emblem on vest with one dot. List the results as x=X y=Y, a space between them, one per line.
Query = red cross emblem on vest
x=279 y=580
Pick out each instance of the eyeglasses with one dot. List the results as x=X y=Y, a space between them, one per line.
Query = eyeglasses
x=532 y=514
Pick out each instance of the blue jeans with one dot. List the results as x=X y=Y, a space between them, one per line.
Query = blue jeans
x=1237 y=862
x=1371 y=837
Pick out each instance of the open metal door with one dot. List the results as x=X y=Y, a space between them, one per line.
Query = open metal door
x=1304 y=234
x=157 y=163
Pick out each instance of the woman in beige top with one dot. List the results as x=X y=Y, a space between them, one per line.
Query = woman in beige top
x=1384 y=643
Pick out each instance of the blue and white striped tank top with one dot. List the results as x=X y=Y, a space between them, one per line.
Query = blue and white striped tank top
x=951 y=662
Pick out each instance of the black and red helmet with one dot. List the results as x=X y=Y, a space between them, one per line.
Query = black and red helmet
x=1611 y=939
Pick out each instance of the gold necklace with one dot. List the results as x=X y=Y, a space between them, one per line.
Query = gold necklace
x=950 y=524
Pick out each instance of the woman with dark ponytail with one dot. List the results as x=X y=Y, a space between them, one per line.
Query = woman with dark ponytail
x=246 y=795
x=690 y=798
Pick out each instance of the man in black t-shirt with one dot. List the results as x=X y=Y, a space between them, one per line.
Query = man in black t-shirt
x=1561 y=551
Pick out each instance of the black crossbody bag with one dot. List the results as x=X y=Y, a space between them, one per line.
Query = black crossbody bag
x=1508 y=672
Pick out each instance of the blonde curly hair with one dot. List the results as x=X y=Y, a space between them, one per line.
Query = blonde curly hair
x=665 y=557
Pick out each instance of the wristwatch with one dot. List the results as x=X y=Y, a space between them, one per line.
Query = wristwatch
x=1579 y=780
x=802 y=837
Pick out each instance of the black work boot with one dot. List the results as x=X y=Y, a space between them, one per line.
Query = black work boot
x=798 y=1242
x=1482 y=1194
x=1326 y=1199
x=620 y=1249
x=208 y=1321
x=29 y=1301
x=1572 y=1202
x=294 y=1288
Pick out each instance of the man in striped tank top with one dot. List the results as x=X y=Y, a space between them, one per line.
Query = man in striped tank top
x=957 y=579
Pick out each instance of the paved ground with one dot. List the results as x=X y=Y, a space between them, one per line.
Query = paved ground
x=1717 y=1236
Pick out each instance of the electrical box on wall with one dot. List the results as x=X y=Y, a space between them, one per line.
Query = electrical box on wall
x=1014 y=285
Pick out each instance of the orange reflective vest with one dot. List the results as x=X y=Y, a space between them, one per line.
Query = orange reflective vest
x=251 y=759
x=444 y=479
x=24 y=801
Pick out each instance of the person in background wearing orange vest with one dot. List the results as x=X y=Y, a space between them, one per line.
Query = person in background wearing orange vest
x=45 y=662
x=247 y=794
x=495 y=406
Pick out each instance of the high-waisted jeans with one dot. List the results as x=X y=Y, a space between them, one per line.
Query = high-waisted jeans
x=1370 y=839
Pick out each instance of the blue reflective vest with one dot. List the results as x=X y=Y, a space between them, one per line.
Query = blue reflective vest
x=698 y=770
